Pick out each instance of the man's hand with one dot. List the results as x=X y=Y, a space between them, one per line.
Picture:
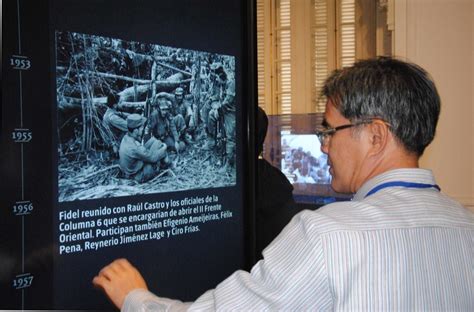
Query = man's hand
x=118 y=279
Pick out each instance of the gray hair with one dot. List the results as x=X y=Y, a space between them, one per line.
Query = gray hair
x=402 y=94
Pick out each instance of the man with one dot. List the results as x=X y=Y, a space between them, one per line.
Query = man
x=181 y=110
x=137 y=161
x=400 y=244
x=165 y=127
x=115 y=120
x=221 y=103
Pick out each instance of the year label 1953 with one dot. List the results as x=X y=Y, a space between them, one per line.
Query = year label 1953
x=20 y=62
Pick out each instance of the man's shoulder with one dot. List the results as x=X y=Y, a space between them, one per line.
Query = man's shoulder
x=128 y=141
x=329 y=218
x=352 y=216
x=348 y=217
x=109 y=112
x=391 y=213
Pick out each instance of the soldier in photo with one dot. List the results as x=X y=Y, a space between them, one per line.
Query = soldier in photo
x=181 y=106
x=220 y=109
x=166 y=127
x=138 y=161
x=115 y=121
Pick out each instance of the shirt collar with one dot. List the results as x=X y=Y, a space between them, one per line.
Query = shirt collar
x=414 y=175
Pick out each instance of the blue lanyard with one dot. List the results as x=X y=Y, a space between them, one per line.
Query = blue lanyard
x=402 y=184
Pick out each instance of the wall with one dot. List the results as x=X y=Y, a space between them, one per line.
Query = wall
x=439 y=36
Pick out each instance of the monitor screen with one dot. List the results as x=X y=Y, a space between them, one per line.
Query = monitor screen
x=302 y=160
x=292 y=146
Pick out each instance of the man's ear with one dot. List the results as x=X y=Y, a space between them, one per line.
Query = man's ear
x=379 y=135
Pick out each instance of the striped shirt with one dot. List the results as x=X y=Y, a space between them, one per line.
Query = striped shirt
x=398 y=249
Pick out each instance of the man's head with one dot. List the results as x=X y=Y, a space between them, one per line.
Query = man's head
x=179 y=94
x=400 y=93
x=135 y=124
x=217 y=69
x=112 y=100
x=164 y=106
x=389 y=109
x=262 y=126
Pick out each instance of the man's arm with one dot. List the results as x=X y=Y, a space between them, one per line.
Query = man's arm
x=156 y=151
x=120 y=279
x=189 y=109
x=228 y=102
x=292 y=276
x=165 y=95
x=116 y=121
x=174 y=130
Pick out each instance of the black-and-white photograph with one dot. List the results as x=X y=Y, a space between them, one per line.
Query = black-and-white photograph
x=303 y=161
x=140 y=118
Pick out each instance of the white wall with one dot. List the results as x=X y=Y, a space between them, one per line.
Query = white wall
x=439 y=36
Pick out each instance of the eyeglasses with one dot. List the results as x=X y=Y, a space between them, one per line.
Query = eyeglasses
x=324 y=133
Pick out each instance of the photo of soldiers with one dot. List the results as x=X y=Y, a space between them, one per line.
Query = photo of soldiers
x=139 y=118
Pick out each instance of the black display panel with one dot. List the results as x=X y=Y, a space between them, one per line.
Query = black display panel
x=73 y=202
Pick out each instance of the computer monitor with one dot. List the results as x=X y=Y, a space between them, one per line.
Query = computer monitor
x=292 y=146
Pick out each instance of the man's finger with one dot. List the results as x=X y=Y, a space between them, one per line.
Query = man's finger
x=100 y=281
x=109 y=272
x=123 y=264
x=118 y=264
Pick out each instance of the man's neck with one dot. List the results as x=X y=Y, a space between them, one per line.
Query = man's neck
x=391 y=159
